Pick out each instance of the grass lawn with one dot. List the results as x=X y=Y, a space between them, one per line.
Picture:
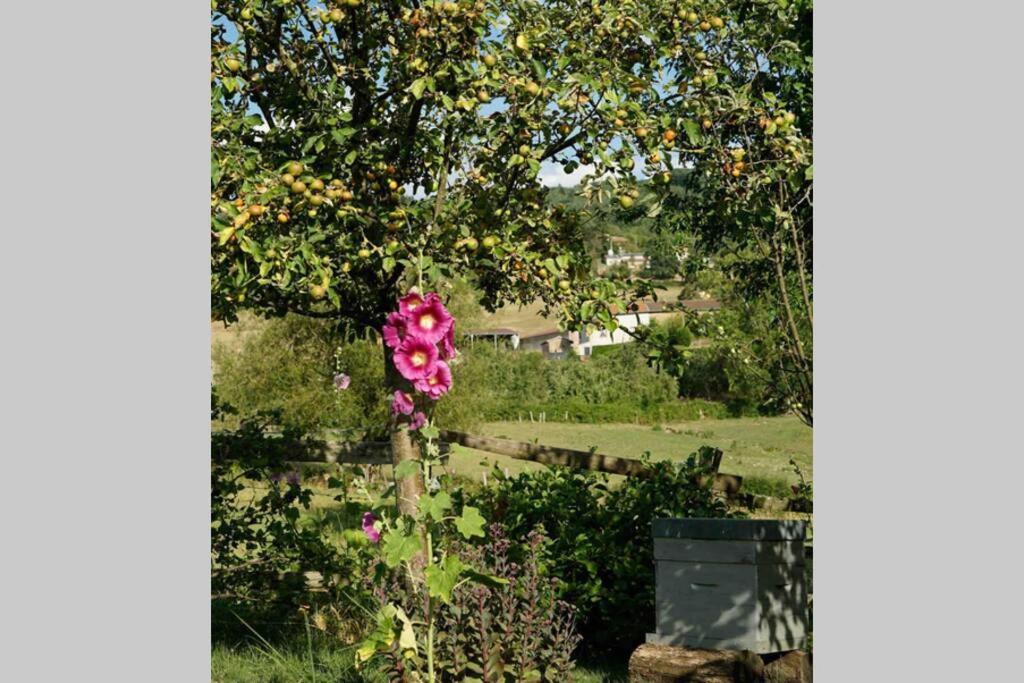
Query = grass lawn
x=261 y=663
x=753 y=447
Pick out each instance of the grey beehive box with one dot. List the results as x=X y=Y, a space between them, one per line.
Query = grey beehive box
x=730 y=584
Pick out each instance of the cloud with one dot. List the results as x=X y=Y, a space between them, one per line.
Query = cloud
x=552 y=175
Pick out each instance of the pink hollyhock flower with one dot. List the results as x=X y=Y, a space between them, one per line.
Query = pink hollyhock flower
x=416 y=358
x=370 y=528
x=409 y=303
x=437 y=383
x=448 y=349
x=430 y=320
x=341 y=381
x=401 y=404
x=394 y=330
x=417 y=421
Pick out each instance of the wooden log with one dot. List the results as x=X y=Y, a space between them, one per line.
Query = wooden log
x=788 y=667
x=669 y=664
x=568 y=457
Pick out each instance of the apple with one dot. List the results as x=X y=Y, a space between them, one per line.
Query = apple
x=256 y=210
x=490 y=60
x=282 y=217
x=232 y=64
x=298 y=187
x=669 y=135
x=625 y=201
x=363 y=253
x=483 y=96
x=317 y=185
x=564 y=285
x=295 y=168
x=317 y=291
x=336 y=15
x=472 y=243
x=490 y=241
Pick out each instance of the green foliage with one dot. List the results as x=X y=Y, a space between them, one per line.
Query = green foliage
x=601 y=546
x=750 y=203
x=310 y=209
x=254 y=541
x=289 y=367
x=802 y=499
x=506 y=623
x=663 y=257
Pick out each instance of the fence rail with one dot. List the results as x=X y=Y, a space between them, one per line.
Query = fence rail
x=378 y=453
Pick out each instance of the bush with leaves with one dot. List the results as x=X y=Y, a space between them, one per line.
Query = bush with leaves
x=513 y=627
x=601 y=545
x=256 y=538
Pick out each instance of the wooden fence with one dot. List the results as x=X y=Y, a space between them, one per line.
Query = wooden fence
x=378 y=453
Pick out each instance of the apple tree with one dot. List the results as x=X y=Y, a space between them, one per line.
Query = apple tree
x=746 y=112
x=360 y=147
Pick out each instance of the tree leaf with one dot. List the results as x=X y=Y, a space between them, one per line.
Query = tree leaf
x=692 y=131
x=418 y=86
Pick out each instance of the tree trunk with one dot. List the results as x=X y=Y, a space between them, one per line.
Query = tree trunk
x=407 y=489
x=668 y=664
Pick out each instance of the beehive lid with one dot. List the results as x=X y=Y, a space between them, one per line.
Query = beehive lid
x=731 y=529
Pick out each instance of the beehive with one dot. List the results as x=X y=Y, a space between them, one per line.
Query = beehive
x=730 y=584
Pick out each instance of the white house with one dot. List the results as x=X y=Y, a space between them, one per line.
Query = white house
x=628 y=321
x=634 y=260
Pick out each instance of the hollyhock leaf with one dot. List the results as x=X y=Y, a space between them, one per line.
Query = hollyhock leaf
x=471 y=522
x=435 y=506
x=442 y=577
x=430 y=432
x=407 y=639
x=407 y=468
x=399 y=547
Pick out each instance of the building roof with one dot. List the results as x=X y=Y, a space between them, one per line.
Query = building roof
x=495 y=331
x=700 y=304
x=546 y=333
x=642 y=307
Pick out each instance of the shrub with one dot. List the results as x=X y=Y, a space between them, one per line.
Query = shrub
x=601 y=547
x=288 y=368
x=516 y=628
x=254 y=541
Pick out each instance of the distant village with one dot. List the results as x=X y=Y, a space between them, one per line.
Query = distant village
x=558 y=345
